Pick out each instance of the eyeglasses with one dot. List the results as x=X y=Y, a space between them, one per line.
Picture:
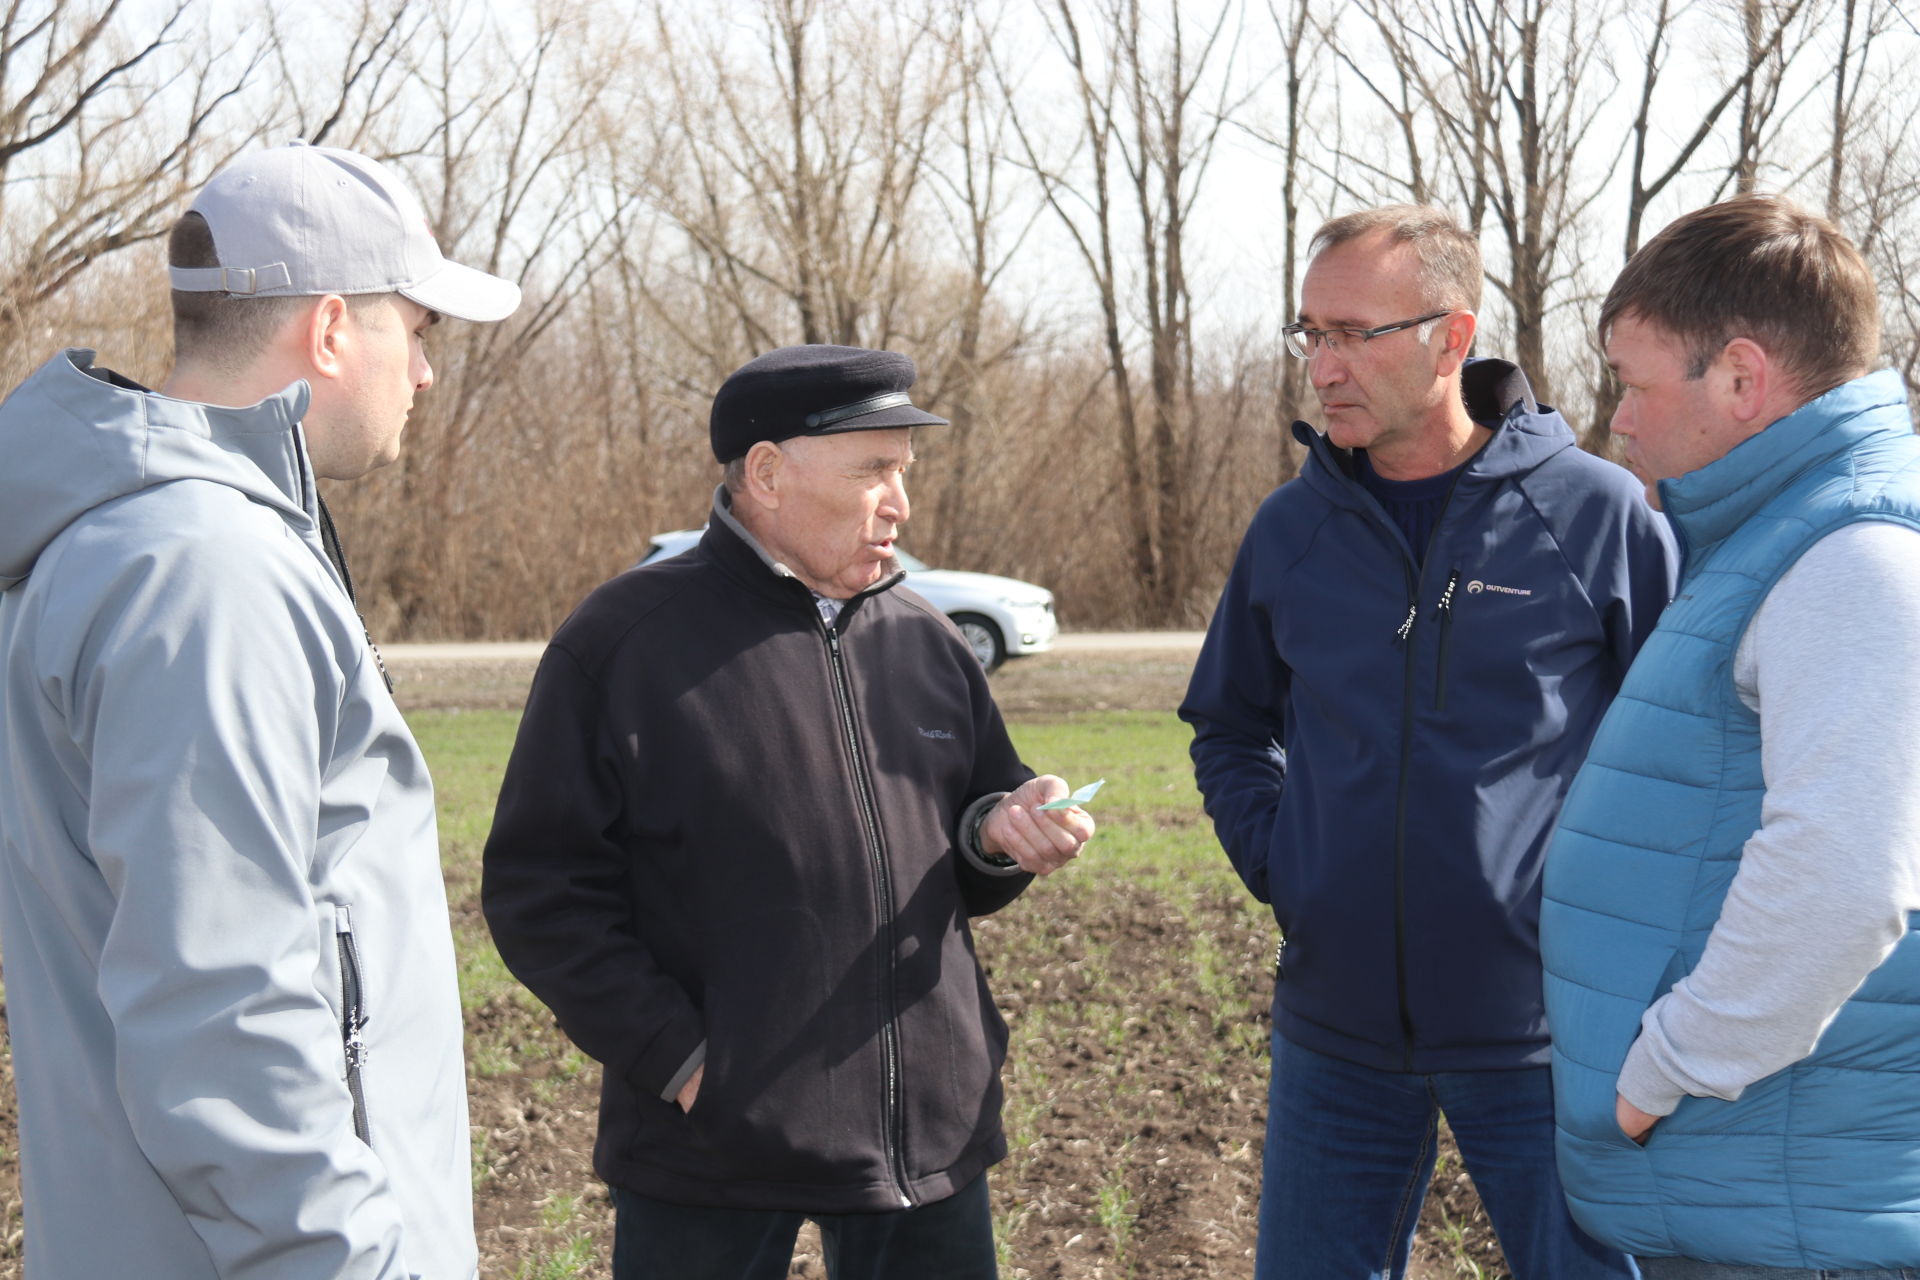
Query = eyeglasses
x=1303 y=342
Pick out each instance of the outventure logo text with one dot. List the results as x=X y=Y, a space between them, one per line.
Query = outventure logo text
x=1475 y=587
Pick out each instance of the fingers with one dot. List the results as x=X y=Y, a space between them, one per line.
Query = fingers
x=1044 y=789
x=691 y=1089
x=1634 y=1123
x=1039 y=842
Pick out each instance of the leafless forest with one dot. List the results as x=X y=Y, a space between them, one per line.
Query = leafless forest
x=1083 y=218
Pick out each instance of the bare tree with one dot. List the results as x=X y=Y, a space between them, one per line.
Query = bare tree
x=792 y=172
x=1763 y=23
x=1300 y=39
x=369 y=85
x=973 y=187
x=101 y=134
x=1765 y=36
x=1871 y=169
x=1511 y=91
x=1152 y=97
x=1768 y=34
x=497 y=121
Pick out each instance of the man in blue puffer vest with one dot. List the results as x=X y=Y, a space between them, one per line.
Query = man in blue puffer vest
x=1733 y=980
x=1418 y=638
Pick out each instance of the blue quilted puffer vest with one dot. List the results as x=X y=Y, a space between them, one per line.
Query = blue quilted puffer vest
x=1817 y=1165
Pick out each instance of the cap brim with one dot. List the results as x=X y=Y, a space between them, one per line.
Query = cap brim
x=904 y=415
x=465 y=294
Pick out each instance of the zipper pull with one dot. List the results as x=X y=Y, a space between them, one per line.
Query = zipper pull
x=378 y=661
x=1406 y=626
x=356 y=1017
x=1446 y=597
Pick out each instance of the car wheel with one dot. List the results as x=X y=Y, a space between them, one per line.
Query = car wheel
x=983 y=638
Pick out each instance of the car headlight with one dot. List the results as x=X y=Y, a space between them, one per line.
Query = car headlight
x=1016 y=602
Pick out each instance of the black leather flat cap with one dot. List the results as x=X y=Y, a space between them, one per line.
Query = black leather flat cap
x=815 y=390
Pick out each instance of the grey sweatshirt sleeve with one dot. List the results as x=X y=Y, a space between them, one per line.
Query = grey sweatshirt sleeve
x=1831 y=661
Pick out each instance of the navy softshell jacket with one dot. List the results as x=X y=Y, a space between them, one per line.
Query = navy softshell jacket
x=1383 y=740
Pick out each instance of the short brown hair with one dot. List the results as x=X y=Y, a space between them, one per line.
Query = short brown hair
x=1758 y=267
x=227 y=330
x=1450 y=271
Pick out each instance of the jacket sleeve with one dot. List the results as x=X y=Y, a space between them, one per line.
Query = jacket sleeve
x=1828 y=883
x=1632 y=577
x=997 y=769
x=1237 y=705
x=205 y=707
x=555 y=889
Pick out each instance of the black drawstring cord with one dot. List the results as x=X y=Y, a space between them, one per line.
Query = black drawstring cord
x=330 y=543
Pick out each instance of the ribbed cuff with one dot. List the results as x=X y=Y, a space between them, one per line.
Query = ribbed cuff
x=1646 y=1086
x=969 y=838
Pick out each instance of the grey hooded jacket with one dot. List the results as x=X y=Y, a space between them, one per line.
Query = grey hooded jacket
x=226 y=942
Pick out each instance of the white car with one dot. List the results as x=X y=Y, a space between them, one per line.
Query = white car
x=1000 y=617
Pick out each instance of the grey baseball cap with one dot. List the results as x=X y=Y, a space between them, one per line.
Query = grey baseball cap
x=300 y=221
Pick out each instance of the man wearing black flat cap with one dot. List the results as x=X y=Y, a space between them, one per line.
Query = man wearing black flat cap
x=758 y=791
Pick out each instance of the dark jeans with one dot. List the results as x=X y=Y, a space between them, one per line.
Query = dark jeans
x=950 y=1239
x=1689 y=1269
x=1350 y=1151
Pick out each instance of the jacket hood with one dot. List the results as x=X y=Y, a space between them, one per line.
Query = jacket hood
x=1497 y=393
x=76 y=437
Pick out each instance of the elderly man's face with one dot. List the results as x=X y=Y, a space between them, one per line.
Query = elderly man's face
x=843 y=499
x=1377 y=393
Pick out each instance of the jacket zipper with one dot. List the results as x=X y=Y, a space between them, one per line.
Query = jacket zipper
x=1403 y=636
x=353 y=1016
x=1445 y=616
x=883 y=892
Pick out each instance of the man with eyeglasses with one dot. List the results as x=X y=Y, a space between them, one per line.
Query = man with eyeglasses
x=1418 y=637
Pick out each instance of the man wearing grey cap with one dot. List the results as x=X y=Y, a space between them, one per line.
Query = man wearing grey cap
x=230 y=978
x=758 y=791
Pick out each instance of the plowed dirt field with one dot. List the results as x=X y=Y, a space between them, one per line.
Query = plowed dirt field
x=1136 y=989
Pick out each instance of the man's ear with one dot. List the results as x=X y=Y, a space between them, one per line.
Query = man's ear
x=1459 y=329
x=324 y=339
x=765 y=463
x=1744 y=380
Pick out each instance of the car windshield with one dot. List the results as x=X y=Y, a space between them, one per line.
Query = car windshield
x=911 y=563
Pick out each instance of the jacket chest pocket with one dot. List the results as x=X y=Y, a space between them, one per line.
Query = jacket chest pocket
x=353 y=1015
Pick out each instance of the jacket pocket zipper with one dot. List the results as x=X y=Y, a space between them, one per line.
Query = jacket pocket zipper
x=1445 y=616
x=353 y=1016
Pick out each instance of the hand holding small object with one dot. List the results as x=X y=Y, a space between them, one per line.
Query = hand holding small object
x=1078 y=798
x=1038 y=825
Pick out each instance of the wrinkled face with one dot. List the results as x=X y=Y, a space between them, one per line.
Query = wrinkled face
x=1388 y=389
x=843 y=499
x=388 y=366
x=1670 y=422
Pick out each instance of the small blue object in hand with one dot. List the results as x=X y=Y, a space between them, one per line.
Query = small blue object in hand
x=1079 y=797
